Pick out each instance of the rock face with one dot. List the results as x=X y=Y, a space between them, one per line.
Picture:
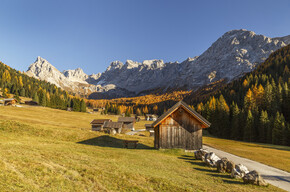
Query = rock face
x=235 y=53
x=76 y=75
x=254 y=178
x=43 y=70
x=72 y=80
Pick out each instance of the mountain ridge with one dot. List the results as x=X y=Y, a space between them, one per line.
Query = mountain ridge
x=233 y=54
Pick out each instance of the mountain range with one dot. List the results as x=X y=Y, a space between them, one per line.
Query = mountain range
x=229 y=57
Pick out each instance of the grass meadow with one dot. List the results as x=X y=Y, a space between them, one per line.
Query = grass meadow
x=43 y=149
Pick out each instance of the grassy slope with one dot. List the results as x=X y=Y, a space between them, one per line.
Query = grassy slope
x=54 y=150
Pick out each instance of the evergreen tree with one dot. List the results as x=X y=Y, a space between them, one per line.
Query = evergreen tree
x=278 y=129
x=83 y=106
x=264 y=126
x=35 y=97
x=248 y=132
x=235 y=122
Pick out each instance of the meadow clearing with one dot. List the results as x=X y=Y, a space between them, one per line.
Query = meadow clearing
x=43 y=149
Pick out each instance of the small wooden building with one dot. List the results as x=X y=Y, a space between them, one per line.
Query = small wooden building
x=179 y=127
x=31 y=103
x=10 y=101
x=151 y=117
x=150 y=129
x=97 y=124
x=112 y=127
x=128 y=122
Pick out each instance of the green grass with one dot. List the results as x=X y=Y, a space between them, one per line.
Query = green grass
x=264 y=153
x=52 y=150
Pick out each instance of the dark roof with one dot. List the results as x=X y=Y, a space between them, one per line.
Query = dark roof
x=31 y=102
x=126 y=119
x=109 y=124
x=100 y=121
x=148 y=125
x=187 y=108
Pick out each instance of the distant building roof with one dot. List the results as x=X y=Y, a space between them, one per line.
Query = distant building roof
x=148 y=125
x=109 y=124
x=126 y=119
x=10 y=99
x=100 y=121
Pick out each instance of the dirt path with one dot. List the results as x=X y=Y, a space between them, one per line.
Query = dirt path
x=272 y=175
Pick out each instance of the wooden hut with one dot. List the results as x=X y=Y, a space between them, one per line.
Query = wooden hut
x=112 y=127
x=10 y=101
x=128 y=122
x=151 y=117
x=179 y=127
x=150 y=129
x=31 y=103
x=97 y=124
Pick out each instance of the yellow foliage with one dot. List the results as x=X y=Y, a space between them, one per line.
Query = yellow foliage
x=245 y=83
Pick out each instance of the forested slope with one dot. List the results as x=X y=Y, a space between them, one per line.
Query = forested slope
x=255 y=107
x=19 y=84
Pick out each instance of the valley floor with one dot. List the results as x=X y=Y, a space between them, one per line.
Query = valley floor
x=45 y=149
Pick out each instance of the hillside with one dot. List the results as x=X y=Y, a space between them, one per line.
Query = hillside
x=255 y=107
x=54 y=150
x=229 y=57
x=46 y=94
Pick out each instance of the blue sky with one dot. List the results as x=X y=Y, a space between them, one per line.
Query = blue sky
x=91 y=34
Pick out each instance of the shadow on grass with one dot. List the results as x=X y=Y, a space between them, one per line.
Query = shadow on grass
x=233 y=181
x=202 y=167
x=225 y=176
x=108 y=141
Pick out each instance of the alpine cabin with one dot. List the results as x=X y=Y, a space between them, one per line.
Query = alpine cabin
x=97 y=124
x=112 y=127
x=128 y=122
x=179 y=127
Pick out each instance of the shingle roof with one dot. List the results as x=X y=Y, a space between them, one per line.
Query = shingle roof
x=100 y=121
x=185 y=106
x=126 y=119
x=148 y=125
x=108 y=124
x=10 y=99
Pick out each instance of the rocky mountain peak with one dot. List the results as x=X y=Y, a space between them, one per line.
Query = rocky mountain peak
x=236 y=52
x=115 y=65
x=76 y=75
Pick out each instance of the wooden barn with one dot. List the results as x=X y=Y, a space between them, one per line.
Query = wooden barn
x=112 y=127
x=97 y=124
x=31 y=103
x=10 y=101
x=179 y=127
x=128 y=122
x=151 y=117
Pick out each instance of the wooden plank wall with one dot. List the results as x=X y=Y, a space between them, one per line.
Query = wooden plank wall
x=179 y=130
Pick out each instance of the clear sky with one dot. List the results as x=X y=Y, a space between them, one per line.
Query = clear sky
x=91 y=34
